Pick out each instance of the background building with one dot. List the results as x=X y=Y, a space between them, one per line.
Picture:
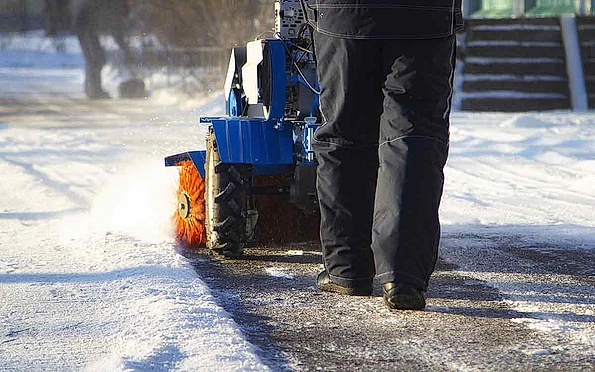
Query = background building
x=526 y=8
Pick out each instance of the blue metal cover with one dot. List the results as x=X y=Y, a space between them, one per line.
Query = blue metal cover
x=197 y=157
x=278 y=78
x=253 y=141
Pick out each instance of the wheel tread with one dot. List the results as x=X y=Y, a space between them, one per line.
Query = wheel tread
x=227 y=224
x=226 y=230
x=226 y=194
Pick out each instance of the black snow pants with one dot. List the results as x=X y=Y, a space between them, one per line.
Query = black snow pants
x=381 y=150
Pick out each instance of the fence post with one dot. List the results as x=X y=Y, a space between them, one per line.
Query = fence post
x=518 y=8
x=582 y=7
x=574 y=65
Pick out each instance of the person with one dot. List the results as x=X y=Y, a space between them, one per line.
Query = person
x=89 y=19
x=385 y=70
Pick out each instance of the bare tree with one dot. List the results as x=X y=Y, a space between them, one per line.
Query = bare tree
x=205 y=22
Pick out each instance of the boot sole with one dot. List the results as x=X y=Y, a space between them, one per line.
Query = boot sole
x=332 y=287
x=405 y=302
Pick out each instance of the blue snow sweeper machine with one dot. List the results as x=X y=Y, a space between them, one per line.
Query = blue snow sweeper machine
x=261 y=150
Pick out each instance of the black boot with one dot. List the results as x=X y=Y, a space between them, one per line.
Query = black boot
x=324 y=283
x=403 y=297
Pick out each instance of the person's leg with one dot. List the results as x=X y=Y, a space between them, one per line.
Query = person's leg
x=350 y=77
x=413 y=148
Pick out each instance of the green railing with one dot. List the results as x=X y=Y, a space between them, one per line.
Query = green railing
x=529 y=8
x=494 y=9
x=552 y=7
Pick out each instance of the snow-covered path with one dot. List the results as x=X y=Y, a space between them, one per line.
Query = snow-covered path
x=90 y=280
x=533 y=171
x=89 y=276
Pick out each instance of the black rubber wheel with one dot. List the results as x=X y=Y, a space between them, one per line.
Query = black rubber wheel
x=226 y=203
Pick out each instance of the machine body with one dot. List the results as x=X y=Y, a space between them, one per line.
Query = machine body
x=272 y=112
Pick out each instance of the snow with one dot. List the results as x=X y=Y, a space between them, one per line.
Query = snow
x=509 y=94
x=90 y=278
x=294 y=252
x=487 y=60
x=278 y=273
x=514 y=27
x=513 y=43
x=521 y=172
x=476 y=77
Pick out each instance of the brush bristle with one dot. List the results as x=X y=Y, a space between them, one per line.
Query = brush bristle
x=190 y=231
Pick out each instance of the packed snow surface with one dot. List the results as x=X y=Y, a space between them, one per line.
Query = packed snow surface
x=532 y=174
x=89 y=274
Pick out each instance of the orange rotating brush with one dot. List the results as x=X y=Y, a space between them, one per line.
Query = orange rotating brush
x=189 y=219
